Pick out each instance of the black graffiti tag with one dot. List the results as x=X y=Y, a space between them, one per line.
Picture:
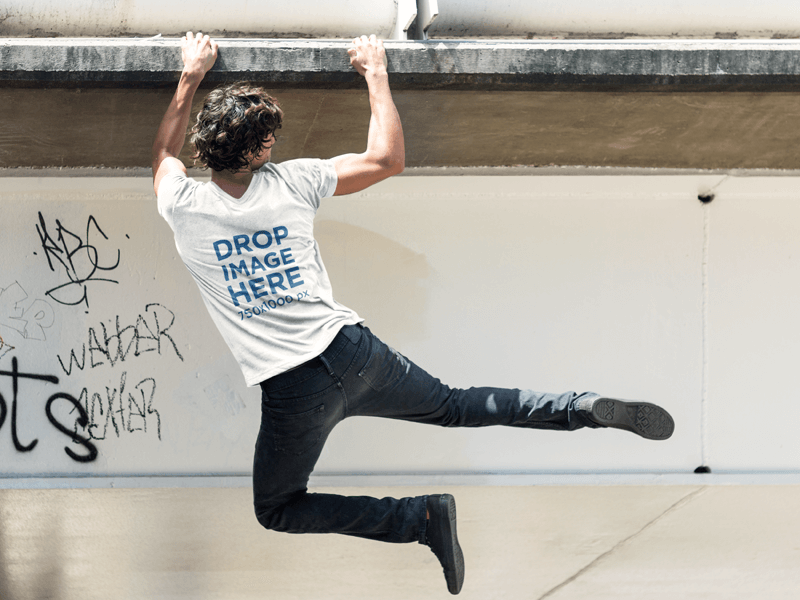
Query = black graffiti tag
x=117 y=342
x=79 y=258
x=82 y=420
x=126 y=410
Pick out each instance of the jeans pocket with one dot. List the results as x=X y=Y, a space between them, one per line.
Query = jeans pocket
x=297 y=433
x=385 y=367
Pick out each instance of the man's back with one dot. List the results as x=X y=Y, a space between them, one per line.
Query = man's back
x=256 y=263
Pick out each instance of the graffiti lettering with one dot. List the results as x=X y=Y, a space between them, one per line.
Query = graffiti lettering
x=79 y=258
x=112 y=344
x=125 y=413
x=82 y=420
x=30 y=322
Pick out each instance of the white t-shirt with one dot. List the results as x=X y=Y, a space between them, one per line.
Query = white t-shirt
x=257 y=264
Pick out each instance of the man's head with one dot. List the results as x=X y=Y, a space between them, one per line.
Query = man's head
x=235 y=128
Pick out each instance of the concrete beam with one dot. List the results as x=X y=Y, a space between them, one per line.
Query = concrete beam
x=443 y=128
x=650 y=104
x=516 y=64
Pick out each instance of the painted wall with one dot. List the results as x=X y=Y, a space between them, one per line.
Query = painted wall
x=616 y=18
x=390 y=18
x=625 y=285
x=236 y=18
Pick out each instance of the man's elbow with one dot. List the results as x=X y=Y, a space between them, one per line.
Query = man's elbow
x=397 y=168
x=158 y=155
x=393 y=165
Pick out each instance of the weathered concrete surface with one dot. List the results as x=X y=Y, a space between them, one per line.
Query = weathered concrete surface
x=712 y=130
x=668 y=104
x=535 y=542
x=517 y=65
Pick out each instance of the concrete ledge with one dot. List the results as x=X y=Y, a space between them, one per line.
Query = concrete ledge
x=390 y=480
x=518 y=171
x=522 y=64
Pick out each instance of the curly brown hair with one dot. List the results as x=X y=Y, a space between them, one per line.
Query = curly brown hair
x=234 y=123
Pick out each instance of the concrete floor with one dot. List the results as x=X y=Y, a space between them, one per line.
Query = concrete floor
x=556 y=542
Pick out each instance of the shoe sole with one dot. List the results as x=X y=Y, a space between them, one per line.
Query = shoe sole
x=453 y=573
x=642 y=418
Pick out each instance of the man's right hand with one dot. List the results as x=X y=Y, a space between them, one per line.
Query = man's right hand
x=199 y=53
x=367 y=55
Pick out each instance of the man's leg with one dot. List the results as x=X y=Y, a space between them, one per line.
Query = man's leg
x=299 y=410
x=391 y=386
x=283 y=503
x=359 y=375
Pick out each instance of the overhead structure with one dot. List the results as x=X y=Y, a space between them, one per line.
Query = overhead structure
x=388 y=19
x=454 y=64
x=615 y=19
x=67 y=65
x=404 y=19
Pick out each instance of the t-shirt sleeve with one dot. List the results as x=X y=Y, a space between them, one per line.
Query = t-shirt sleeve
x=329 y=178
x=312 y=178
x=173 y=189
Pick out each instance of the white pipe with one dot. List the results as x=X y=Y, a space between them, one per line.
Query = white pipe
x=387 y=18
x=613 y=18
x=231 y=18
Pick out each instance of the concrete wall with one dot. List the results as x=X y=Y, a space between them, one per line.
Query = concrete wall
x=443 y=128
x=626 y=285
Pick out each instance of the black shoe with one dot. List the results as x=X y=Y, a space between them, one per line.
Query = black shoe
x=642 y=418
x=442 y=539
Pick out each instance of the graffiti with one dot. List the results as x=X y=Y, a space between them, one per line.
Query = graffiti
x=123 y=409
x=30 y=323
x=5 y=348
x=45 y=406
x=82 y=420
x=125 y=413
x=115 y=343
x=78 y=257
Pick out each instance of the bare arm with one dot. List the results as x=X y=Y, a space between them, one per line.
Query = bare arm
x=199 y=54
x=385 y=153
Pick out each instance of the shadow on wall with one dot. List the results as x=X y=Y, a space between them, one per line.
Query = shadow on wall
x=385 y=282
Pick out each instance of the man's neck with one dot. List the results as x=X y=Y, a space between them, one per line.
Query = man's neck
x=233 y=184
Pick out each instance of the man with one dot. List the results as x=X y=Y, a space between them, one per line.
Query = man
x=247 y=239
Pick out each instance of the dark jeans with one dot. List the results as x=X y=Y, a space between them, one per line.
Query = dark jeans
x=358 y=375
